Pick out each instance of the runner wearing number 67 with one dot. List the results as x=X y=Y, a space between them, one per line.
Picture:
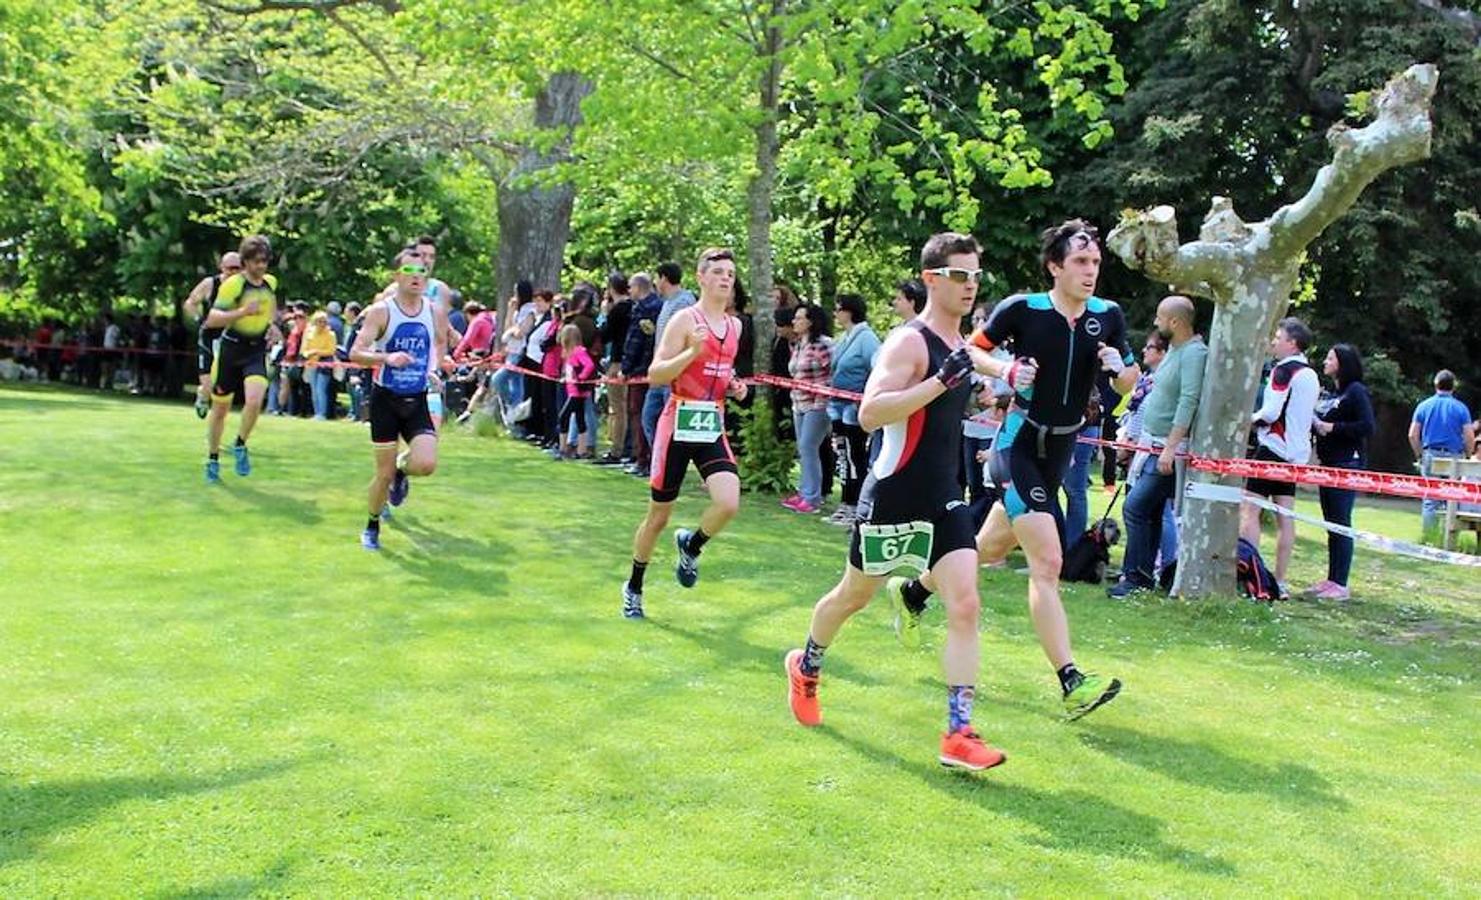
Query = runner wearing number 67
x=697 y=357
x=910 y=508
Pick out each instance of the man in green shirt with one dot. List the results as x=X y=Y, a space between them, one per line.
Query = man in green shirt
x=246 y=304
x=1167 y=417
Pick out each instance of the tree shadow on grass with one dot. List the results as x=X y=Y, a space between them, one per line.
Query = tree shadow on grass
x=40 y=399
x=31 y=813
x=1074 y=821
x=1203 y=765
x=728 y=645
x=269 y=880
x=445 y=560
x=281 y=505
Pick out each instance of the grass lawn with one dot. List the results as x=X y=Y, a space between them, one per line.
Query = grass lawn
x=215 y=692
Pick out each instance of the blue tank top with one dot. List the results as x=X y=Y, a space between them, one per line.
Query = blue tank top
x=411 y=335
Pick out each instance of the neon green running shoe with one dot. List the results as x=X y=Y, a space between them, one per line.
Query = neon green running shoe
x=907 y=623
x=1091 y=692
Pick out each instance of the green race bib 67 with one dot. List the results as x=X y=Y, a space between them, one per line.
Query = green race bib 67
x=886 y=548
x=698 y=422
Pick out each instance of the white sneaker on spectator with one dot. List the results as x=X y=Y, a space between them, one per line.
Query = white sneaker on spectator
x=844 y=515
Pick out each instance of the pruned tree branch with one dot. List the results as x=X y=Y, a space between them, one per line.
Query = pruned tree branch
x=1399 y=134
x=1148 y=241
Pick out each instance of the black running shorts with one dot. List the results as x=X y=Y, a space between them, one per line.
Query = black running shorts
x=236 y=362
x=951 y=529
x=395 y=416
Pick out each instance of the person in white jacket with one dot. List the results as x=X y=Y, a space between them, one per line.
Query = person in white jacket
x=1282 y=427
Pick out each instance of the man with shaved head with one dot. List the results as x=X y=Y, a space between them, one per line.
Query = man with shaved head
x=201 y=298
x=1167 y=418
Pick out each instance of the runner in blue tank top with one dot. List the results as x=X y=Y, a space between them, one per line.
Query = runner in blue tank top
x=1060 y=340
x=405 y=338
x=440 y=294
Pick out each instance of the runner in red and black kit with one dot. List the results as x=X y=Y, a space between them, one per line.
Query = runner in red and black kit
x=1061 y=341
x=704 y=380
x=697 y=358
x=911 y=505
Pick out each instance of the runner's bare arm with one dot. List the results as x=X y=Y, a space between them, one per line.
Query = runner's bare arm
x=373 y=322
x=895 y=388
x=682 y=338
x=197 y=296
x=221 y=318
x=444 y=331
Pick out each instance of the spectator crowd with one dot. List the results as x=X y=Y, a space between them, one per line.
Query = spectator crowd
x=567 y=372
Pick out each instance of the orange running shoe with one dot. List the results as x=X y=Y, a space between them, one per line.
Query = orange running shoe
x=802 y=691
x=963 y=749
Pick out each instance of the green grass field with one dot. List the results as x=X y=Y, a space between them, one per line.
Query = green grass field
x=215 y=692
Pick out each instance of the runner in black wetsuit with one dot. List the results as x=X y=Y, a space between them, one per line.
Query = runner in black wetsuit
x=911 y=507
x=1061 y=340
x=197 y=305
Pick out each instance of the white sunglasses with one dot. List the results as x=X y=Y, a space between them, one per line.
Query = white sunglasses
x=958 y=275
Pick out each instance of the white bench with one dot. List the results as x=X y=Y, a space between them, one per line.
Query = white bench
x=1458 y=516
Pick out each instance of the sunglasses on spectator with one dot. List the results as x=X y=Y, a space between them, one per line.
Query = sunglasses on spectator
x=958 y=276
x=413 y=269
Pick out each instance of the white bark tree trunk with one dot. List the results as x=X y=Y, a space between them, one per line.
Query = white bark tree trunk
x=1249 y=271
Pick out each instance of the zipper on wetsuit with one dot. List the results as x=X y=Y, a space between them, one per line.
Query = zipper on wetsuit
x=1069 y=365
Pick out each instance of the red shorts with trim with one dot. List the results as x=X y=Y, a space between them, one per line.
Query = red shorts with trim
x=671 y=458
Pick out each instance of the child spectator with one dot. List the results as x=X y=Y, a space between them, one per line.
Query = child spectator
x=577 y=366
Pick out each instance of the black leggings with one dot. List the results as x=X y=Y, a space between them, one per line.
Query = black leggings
x=853 y=459
x=575 y=406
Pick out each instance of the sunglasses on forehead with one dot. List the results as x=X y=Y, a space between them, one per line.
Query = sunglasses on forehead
x=958 y=275
x=717 y=255
x=412 y=269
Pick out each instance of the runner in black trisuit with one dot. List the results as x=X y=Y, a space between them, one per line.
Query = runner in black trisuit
x=197 y=306
x=911 y=509
x=1061 y=340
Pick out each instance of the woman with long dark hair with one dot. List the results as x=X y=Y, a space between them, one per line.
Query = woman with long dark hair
x=1343 y=425
x=811 y=361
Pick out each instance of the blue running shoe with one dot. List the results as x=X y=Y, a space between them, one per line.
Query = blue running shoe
x=370 y=539
x=687 y=569
x=244 y=462
x=632 y=602
x=400 y=487
x=213 y=471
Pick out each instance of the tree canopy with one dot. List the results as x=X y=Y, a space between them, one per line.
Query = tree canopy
x=141 y=140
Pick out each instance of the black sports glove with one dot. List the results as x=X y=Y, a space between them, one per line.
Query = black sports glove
x=955 y=367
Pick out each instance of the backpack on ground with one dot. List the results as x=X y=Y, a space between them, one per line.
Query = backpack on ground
x=1251 y=576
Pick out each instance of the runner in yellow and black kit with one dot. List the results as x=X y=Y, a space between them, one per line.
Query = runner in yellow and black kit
x=246 y=304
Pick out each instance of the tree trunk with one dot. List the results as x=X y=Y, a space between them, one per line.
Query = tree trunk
x=535 y=219
x=1249 y=270
x=761 y=189
x=1229 y=385
x=828 y=265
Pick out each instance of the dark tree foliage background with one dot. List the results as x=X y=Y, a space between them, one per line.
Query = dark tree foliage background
x=131 y=159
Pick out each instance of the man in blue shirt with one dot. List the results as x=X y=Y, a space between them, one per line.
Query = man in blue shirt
x=1441 y=428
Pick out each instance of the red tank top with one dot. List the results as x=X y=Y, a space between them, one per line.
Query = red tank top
x=707 y=377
